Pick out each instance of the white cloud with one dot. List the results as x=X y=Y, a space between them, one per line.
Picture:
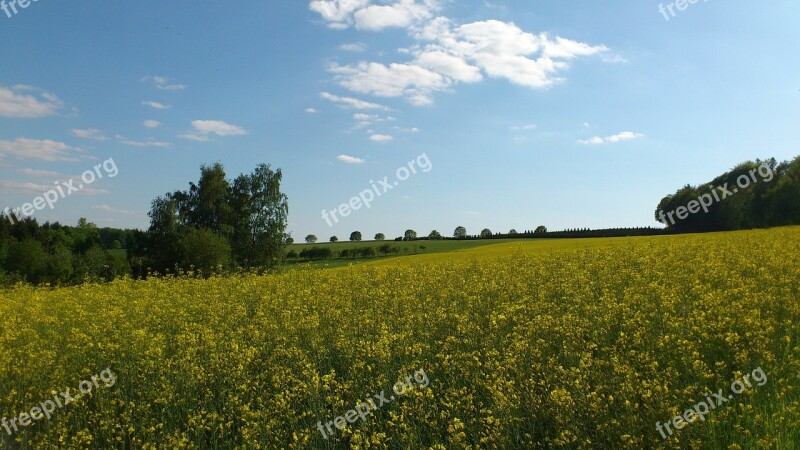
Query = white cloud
x=597 y=140
x=450 y=66
x=342 y=14
x=361 y=117
x=203 y=129
x=163 y=83
x=147 y=143
x=531 y=126
x=347 y=159
x=43 y=150
x=156 y=105
x=27 y=102
x=624 y=136
x=395 y=80
x=109 y=209
x=91 y=133
x=356 y=47
x=338 y=13
x=151 y=123
x=503 y=50
x=217 y=127
x=365 y=120
x=381 y=138
x=620 y=137
x=448 y=55
x=400 y=14
x=500 y=49
x=353 y=103
x=311 y=111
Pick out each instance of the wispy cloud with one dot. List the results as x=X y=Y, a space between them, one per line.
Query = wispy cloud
x=620 y=137
x=147 y=143
x=163 y=83
x=43 y=150
x=203 y=129
x=347 y=159
x=26 y=187
x=381 y=138
x=353 y=103
x=27 y=102
x=151 y=123
x=356 y=47
x=91 y=133
x=109 y=209
x=156 y=105
x=40 y=173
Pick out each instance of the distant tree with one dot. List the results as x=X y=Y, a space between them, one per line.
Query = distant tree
x=316 y=253
x=385 y=249
x=260 y=212
x=334 y=239
x=367 y=252
x=288 y=240
x=541 y=229
x=460 y=233
x=355 y=236
x=380 y=237
x=513 y=232
x=486 y=233
x=311 y=239
x=291 y=255
x=435 y=235
x=410 y=235
x=422 y=247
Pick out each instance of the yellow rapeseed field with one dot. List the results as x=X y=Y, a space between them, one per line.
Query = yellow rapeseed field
x=545 y=344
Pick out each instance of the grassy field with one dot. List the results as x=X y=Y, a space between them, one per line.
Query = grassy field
x=524 y=344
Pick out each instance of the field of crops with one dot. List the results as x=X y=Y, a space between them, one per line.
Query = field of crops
x=546 y=344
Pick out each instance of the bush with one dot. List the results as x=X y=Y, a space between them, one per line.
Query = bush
x=204 y=251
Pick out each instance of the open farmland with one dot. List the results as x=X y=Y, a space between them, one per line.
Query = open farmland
x=547 y=344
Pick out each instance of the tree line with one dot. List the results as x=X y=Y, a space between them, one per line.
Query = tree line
x=754 y=194
x=57 y=255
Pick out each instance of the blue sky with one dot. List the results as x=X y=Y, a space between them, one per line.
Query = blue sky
x=579 y=114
